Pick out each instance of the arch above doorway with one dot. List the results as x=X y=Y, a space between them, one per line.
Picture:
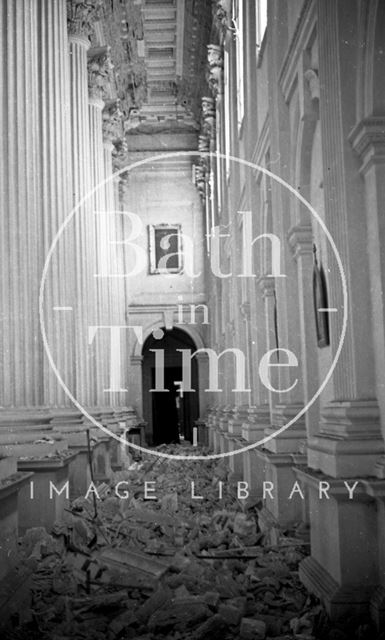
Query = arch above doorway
x=170 y=413
x=194 y=335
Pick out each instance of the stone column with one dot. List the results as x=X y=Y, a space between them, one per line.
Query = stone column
x=267 y=286
x=82 y=223
x=279 y=454
x=55 y=194
x=259 y=412
x=21 y=382
x=99 y=70
x=301 y=242
x=112 y=135
x=34 y=200
x=101 y=342
x=80 y=25
x=136 y=390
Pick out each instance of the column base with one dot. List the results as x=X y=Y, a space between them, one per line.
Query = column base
x=31 y=442
x=65 y=416
x=254 y=472
x=79 y=472
x=203 y=433
x=102 y=460
x=377 y=608
x=258 y=420
x=44 y=508
x=347 y=543
x=339 y=601
x=216 y=440
x=223 y=442
x=284 y=499
x=235 y=462
x=11 y=482
x=344 y=458
x=350 y=443
x=293 y=438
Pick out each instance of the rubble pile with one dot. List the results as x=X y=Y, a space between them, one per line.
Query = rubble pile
x=173 y=567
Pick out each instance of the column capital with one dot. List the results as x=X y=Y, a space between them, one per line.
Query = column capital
x=349 y=443
x=112 y=122
x=267 y=286
x=300 y=239
x=312 y=78
x=81 y=16
x=200 y=180
x=80 y=40
x=215 y=68
x=99 y=72
x=208 y=117
x=368 y=141
x=246 y=310
x=96 y=102
x=120 y=157
x=222 y=16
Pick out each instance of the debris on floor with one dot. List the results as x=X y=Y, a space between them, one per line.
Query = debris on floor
x=169 y=566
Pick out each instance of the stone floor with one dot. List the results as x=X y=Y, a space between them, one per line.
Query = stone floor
x=188 y=562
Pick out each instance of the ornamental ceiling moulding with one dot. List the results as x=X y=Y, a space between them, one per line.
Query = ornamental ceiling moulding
x=82 y=15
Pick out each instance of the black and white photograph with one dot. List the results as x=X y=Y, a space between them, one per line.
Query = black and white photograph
x=192 y=319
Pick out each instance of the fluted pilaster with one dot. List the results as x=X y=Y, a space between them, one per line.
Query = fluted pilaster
x=354 y=374
x=301 y=242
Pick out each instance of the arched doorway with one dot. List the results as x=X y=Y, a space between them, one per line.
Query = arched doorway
x=170 y=414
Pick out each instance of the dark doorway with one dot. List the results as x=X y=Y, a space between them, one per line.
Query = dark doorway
x=170 y=414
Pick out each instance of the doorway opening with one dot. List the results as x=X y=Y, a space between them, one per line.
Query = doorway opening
x=170 y=414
